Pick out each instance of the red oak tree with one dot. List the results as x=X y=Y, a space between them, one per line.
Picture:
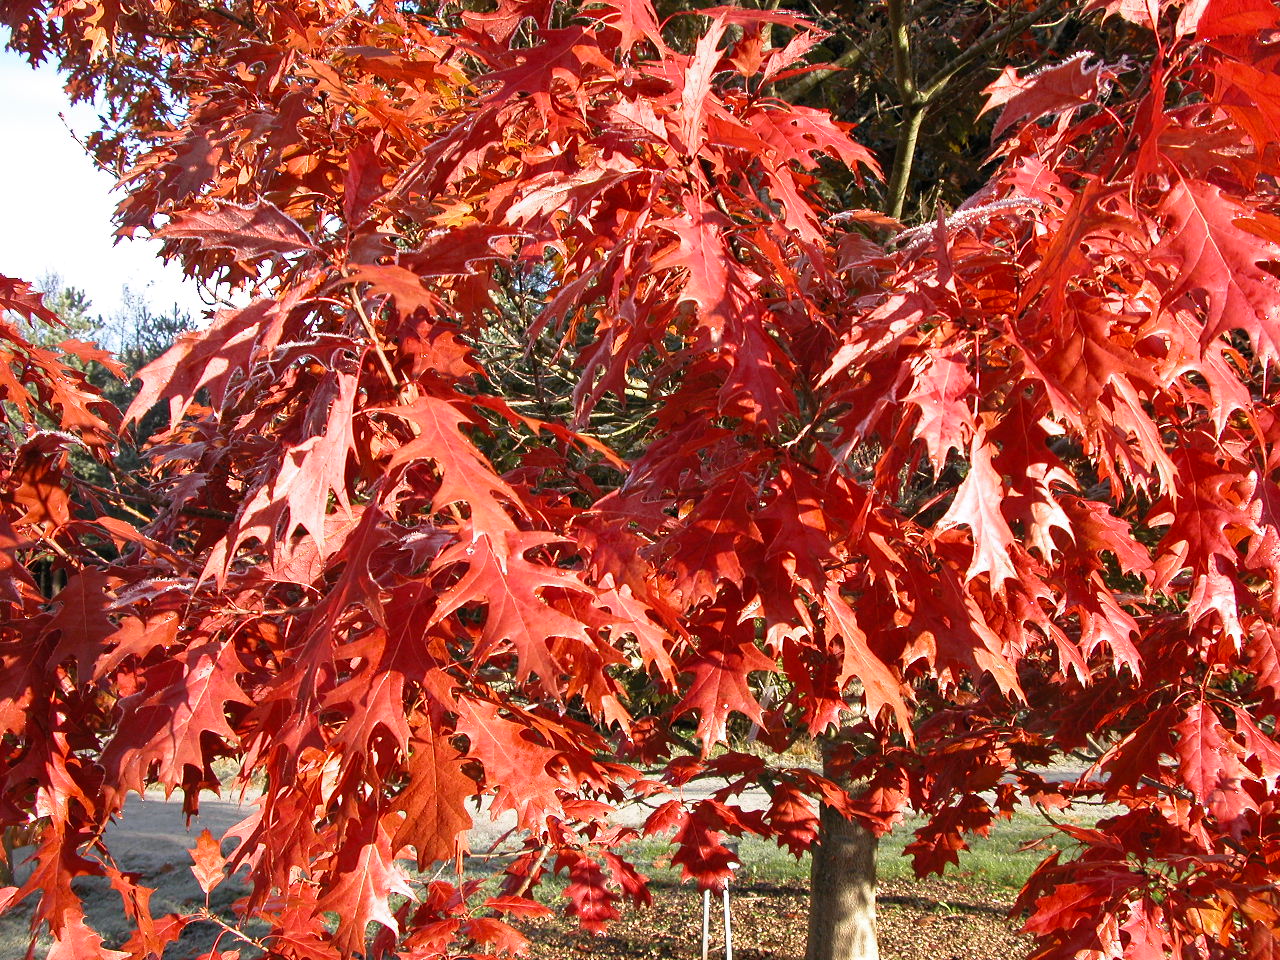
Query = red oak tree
x=974 y=493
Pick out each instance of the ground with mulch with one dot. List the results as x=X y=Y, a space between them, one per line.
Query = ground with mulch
x=934 y=919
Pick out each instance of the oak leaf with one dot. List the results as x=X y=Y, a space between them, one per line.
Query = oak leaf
x=249 y=232
x=719 y=687
x=433 y=800
x=208 y=865
x=1211 y=252
x=363 y=876
x=977 y=506
x=1054 y=89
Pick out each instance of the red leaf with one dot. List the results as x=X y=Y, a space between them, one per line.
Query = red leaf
x=308 y=475
x=1053 y=89
x=718 y=532
x=78 y=941
x=1264 y=657
x=1207 y=759
x=1262 y=749
x=792 y=818
x=1210 y=252
x=519 y=906
x=209 y=865
x=699 y=850
x=465 y=475
x=515 y=763
x=208 y=359
x=700 y=252
x=451 y=253
x=670 y=815
x=590 y=899
x=183 y=701
x=494 y=933
x=977 y=506
x=634 y=885
x=363 y=182
x=943 y=391
x=697 y=86
x=938 y=843
x=433 y=802
x=636 y=20
x=719 y=687
x=1069 y=904
x=250 y=232
x=363 y=875
x=1147 y=936
x=167 y=930
x=517 y=609
x=81 y=622
x=136 y=901
x=800 y=134
x=879 y=686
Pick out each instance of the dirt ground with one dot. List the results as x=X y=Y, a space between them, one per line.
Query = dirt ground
x=919 y=920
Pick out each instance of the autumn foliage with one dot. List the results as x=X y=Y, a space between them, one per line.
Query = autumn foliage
x=977 y=493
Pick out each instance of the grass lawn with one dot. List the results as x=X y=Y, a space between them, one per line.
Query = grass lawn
x=1001 y=861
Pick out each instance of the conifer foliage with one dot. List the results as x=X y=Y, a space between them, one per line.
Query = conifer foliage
x=978 y=493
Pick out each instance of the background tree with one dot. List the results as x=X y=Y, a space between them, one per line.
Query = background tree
x=1002 y=480
x=134 y=337
x=137 y=336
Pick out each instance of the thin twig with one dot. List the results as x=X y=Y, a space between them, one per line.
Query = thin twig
x=533 y=871
x=801 y=86
x=934 y=85
x=357 y=302
x=204 y=913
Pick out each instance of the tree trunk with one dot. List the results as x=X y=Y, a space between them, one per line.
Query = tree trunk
x=842 y=895
x=842 y=890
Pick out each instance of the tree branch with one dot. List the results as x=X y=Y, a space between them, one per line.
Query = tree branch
x=803 y=85
x=225 y=14
x=935 y=84
x=903 y=73
x=903 y=159
x=916 y=99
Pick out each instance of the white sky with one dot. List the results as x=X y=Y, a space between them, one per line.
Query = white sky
x=57 y=205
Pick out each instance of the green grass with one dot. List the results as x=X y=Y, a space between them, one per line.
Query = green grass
x=994 y=861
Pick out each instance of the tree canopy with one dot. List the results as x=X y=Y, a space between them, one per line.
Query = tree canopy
x=977 y=490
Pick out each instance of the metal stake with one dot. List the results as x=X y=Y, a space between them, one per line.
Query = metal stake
x=706 y=911
x=706 y=924
x=728 y=929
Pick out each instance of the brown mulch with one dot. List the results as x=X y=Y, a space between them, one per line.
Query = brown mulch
x=935 y=919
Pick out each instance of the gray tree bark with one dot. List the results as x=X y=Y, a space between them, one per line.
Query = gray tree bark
x=842 y=895
x=842 y=890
